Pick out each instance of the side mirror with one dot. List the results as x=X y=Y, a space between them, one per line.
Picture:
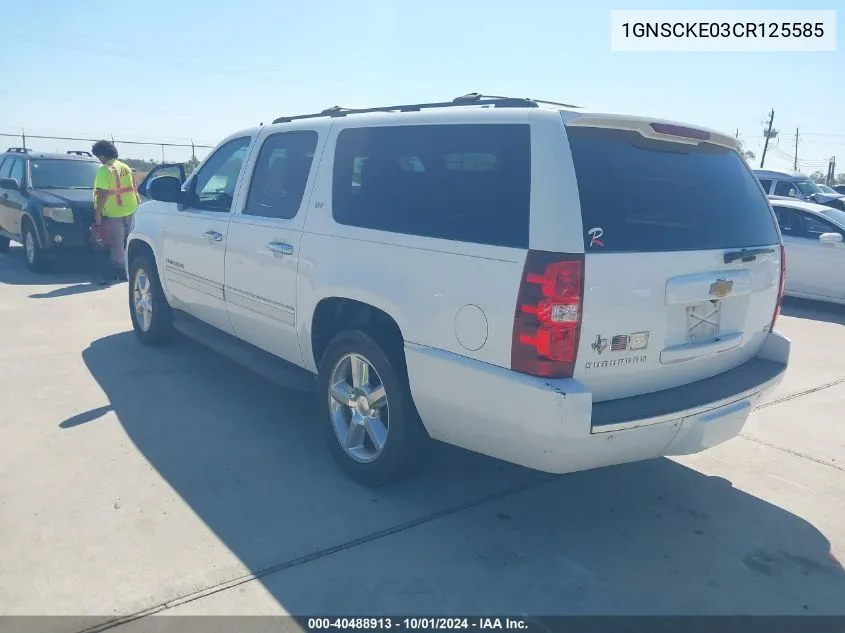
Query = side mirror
x=165 y=189
x=830 y=238
x=9 y=183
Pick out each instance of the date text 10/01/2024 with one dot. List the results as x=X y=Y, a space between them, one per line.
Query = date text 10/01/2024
x=415 y=624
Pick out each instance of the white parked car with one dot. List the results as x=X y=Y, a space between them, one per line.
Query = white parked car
x=815 y=253
x=556 y=288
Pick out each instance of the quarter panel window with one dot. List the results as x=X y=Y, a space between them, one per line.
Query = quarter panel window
x=469 y=183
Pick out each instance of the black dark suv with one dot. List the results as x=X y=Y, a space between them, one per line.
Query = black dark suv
x=46 y=202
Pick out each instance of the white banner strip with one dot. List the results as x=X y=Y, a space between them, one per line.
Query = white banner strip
x=723 y=31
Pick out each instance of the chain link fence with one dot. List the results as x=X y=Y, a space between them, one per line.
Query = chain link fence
x=149 y=151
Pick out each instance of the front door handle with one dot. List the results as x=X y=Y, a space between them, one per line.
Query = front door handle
x=214 y=236
x=280 y=248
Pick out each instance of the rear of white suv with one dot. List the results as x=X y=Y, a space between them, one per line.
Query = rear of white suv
x=644 y=321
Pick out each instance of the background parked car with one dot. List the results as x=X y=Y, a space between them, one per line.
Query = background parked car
x=839 y=189
x=813 y=237
x=794 y=184
x=46 y=202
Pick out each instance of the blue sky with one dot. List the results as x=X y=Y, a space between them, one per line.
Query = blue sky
x=178 y=70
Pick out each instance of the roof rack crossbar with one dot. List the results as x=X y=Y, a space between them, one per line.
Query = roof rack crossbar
x=18 y=150
x=469 y=99
x=78 y=152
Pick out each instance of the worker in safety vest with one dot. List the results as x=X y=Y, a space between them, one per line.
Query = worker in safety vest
x=115 y=200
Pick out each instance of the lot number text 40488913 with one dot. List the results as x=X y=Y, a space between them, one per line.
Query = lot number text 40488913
x=417 y=623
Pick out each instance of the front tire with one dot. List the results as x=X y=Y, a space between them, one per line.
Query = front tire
x=33 y=253
x=152 y=318
x=374 y=432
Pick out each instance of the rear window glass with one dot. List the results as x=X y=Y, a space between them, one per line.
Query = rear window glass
x=644 y=195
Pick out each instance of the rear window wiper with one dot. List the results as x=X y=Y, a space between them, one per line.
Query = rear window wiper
x=746 y=254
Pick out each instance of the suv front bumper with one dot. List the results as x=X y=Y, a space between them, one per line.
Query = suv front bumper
x=552 y=425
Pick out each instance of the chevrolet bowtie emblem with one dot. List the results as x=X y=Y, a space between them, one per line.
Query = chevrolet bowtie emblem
x=721 y=288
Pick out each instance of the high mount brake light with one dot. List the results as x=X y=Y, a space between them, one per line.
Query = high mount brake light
x=547 y=323
x=680 y=130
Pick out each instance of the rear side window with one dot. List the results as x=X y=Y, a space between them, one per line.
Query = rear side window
x=766 y=184
x=644 y=195
x=469 y=183
x=784 y=187
x=281 y=173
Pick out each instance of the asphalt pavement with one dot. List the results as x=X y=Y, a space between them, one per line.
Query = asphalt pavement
x=138 y=482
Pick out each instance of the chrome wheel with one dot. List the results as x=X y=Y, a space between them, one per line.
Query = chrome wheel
x=359 y=408
x=142 y=299
x=29 y=247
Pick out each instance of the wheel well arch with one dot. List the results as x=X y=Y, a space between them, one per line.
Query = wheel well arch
x=28 y=219
x=335 y=314
x=136 y=247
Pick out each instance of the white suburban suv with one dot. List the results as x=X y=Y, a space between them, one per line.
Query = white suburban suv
x=555 y=288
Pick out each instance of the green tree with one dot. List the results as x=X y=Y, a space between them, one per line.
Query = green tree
x=191 y=165
x=818 y=177
x=748 y=155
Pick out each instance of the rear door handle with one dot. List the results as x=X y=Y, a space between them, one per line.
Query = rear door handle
x=214 y=236
x=280 y=248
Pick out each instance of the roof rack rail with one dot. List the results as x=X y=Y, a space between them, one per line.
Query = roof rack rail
x=472 y=98
x=18 y=150
x=543 y=101
x=79 y=152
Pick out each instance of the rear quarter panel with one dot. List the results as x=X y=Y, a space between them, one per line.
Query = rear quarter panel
x=433 y=288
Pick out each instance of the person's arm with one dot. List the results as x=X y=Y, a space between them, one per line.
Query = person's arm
x=101 y=197
x=102 y=182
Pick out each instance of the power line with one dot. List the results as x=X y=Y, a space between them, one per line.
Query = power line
x=94 y=140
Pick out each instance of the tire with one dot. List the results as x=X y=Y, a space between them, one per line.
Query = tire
x=32 y=251
x=152 y=318
x=401 y=432
x=4 y=244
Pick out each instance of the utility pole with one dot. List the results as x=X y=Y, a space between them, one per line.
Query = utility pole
x=23 y=137
x=769 y=134
x=795 y=162
x=831 y=170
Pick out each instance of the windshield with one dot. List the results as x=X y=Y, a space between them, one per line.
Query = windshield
x=826 y=189
x=62 y=174
x=807 y=187
x=644 y=195
x=835 y=215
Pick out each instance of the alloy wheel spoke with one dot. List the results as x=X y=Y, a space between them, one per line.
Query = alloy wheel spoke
x=376 y=396
x=355 y=434
x=360 y=372
x=376 y=431
x=342 y=393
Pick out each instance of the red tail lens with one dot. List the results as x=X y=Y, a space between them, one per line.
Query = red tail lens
x=680 y=130
x=547 y=324
x=781 y=288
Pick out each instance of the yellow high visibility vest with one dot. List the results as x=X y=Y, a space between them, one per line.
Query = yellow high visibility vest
x=116 y=179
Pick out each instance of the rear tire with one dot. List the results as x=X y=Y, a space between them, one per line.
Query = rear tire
x=152 y=318
x=33 y=253
x=372 y=426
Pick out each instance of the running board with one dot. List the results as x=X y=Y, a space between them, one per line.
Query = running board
x=271 y=367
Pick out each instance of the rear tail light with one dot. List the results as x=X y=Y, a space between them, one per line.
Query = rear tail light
x=547 y=323
x=781 y=285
